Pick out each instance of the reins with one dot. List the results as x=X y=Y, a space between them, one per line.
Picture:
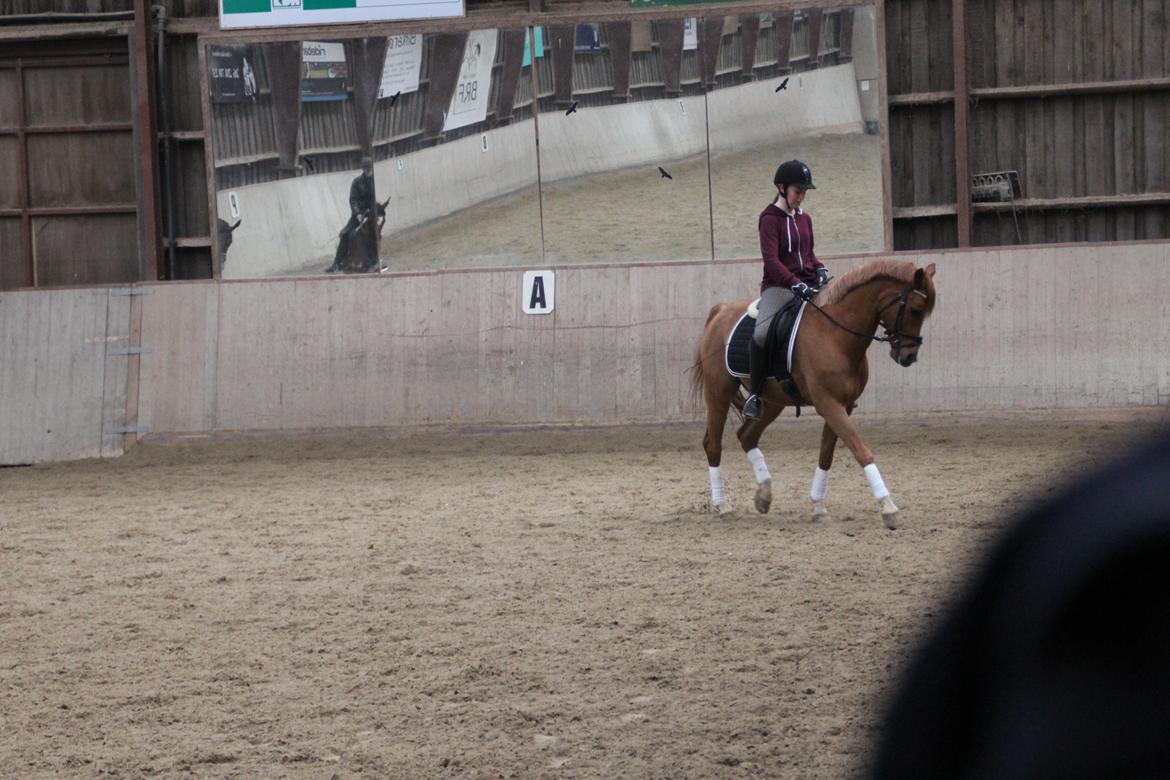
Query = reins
x=892 y=335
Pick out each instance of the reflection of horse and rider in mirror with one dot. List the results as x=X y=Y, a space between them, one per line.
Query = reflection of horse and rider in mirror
x=358 y=241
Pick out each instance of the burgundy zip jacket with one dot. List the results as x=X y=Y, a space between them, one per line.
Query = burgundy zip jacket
x=787 y=245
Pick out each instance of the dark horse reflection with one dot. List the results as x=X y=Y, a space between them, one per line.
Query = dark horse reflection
x=361 y=253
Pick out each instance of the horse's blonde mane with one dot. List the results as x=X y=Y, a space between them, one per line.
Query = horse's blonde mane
x=855 y=277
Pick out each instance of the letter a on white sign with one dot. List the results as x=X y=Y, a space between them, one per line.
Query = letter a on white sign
x=539 y=291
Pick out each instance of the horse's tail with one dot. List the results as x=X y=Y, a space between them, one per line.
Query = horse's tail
x=696 y=369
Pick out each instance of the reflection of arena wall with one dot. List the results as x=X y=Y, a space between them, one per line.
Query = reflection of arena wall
x=291 y=224
x=288 y=225
x=1063 y=330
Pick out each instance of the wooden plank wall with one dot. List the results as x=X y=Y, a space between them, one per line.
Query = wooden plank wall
x=62 y=381
x=1108 y=145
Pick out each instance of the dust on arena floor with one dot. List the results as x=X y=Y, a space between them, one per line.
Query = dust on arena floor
x=486 y=604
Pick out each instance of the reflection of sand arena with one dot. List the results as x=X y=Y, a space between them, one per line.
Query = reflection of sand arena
x=635 y=214
x=517 y=603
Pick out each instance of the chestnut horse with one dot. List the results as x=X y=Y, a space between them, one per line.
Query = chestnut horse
x=829 y=369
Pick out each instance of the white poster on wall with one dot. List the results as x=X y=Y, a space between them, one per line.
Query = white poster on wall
x=691 y=34
x=469 y=104
x=403 y=64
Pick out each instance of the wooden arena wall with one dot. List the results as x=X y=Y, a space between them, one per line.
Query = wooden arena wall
x=1067 y=326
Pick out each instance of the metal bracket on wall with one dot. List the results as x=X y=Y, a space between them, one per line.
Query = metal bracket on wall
x=127 y=429
x=131 y=350
x=131 y=291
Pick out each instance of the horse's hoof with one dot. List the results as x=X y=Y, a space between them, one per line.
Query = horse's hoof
x=819 y=512
x=725 y=511
x=889 y=512
x=764 y=497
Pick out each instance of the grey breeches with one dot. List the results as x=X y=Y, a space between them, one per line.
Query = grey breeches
x=771 y=301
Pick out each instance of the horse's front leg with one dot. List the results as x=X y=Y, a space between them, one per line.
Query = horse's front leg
x=836 y=416
x=820 y=481
x=749 y=438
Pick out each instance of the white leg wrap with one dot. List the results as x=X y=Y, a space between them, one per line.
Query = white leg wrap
x=820 y=484
x=717 y=496
x=759 y=466
x=875 y=482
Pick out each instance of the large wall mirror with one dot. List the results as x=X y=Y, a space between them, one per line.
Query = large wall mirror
x=583 y=143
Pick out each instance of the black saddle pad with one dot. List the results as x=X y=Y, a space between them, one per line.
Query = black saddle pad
x=782 y=341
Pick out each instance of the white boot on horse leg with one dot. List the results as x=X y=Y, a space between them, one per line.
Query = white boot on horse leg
x=886 y=504
x=719 y=502
x=820 y=486
x=763 y=480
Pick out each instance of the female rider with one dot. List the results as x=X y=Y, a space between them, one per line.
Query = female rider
x=790 y=267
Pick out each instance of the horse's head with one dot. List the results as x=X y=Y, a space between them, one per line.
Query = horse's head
x=903 y=313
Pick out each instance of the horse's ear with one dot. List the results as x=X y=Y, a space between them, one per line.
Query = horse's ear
x=919 y=279
x=930 y=271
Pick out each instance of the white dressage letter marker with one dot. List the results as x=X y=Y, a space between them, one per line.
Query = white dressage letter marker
x=539 y=292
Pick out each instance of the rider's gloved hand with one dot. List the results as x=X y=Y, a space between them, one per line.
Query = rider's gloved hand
x=802 y=291
x=822 y=276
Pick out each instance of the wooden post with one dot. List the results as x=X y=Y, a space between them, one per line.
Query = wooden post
x=369 y=55
x=749 y=26
x=513 y=64
x=962 y=129
x=284 y=81
x=670 y=49
x=710 y=39
x=884 y=129
x=563 y=45
x=617 y=35
x=446 y=61
x=146 y=141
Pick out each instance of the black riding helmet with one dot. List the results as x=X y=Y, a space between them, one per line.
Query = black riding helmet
x=794 y=172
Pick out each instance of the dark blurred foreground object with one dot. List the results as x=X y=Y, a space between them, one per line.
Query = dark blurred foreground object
x=1055 y=662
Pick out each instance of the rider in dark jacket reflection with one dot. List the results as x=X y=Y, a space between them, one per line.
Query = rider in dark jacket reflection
x=362 y=203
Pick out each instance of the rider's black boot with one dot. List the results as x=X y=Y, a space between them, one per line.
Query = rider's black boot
x=758 y=363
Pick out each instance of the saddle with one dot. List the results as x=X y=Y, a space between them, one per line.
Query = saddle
x=781 y=345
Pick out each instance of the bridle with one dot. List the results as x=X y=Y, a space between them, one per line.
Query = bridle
x=894 y=336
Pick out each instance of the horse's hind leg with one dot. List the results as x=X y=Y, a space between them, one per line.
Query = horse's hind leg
x=717 y=396
x=749 y=438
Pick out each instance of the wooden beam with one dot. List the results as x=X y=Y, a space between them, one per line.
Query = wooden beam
x=1080 y=202
x=922 y=212
x=494 y=16
x=1084 y=88
x=962 y=125
x=922 y=98
x=44 y=32
x=71 y=211
x=1033 y=91
x=1040 y=204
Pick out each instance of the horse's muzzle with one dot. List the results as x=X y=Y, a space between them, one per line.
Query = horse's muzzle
x=907 y=360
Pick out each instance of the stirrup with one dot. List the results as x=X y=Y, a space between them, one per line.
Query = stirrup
x=753 y=407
